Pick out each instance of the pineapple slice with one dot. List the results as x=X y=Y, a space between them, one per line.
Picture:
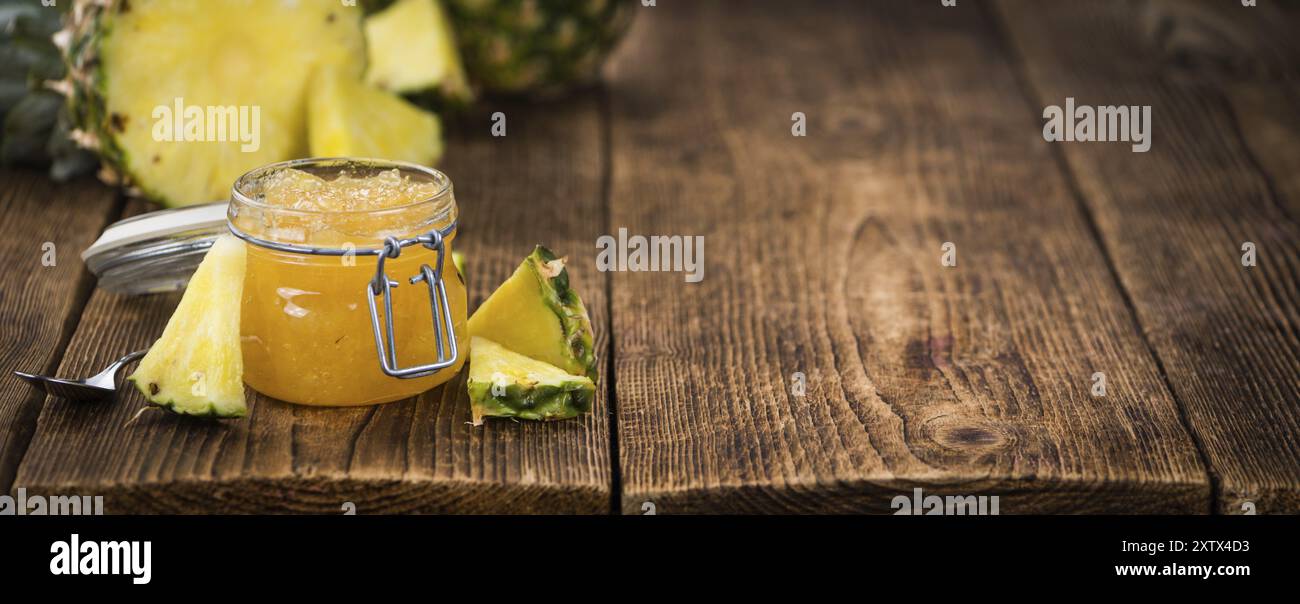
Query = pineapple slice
x=196 y=367
x=458 y=259
x=413 y=52
x=236 y=72
x=348 y=118
x=507 y=384
x=534 y=313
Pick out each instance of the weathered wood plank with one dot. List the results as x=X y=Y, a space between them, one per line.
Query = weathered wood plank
x=823 y=257
x=40 y=304
x=1220 y=80
x=408 y=456
x=1266 y=112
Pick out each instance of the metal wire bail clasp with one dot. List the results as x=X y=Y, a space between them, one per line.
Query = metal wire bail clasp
x=382 y=286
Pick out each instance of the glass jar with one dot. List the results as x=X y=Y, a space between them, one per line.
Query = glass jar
x=352 y=306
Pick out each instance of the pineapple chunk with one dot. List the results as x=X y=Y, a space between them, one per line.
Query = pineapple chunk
x=507 y=384
x=458 y=259
x=196 y=367
x=413 y=51
x=237 y=70
x=348 y=118
x=534 y=313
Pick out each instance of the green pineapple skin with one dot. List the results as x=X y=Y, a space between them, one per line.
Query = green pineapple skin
x=87 y=99
x=566 y=304
x=537 y=48
x=527 y=388
x=209 y=412
x=540 y=403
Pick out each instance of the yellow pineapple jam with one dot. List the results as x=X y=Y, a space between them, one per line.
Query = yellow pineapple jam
x=305 y=324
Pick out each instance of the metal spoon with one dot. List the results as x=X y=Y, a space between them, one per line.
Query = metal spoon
x=101 y=386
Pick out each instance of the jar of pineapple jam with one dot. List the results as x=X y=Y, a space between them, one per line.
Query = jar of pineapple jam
x=350 y=293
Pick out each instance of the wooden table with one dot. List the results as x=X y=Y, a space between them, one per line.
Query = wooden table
x=823 y=257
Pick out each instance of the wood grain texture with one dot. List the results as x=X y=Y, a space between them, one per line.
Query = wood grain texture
x=1222 y=171
x=823 y=257
x=40 y=304
x=539 y=184
x=1267 y=114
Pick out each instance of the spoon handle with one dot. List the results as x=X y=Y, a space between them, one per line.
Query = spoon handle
x=112 y=369
x=108 y=377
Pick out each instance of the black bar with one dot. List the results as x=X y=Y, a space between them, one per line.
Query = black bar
x=407 y=551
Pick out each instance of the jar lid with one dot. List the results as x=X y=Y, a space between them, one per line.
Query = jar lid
x=157 y=251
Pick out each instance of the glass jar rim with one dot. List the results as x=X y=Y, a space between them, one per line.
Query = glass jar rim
x=443 y=194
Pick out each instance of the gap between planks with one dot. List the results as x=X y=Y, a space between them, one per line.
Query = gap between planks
x=611 y=393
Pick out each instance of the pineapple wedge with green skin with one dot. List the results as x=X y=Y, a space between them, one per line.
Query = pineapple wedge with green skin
x=503 y=383
x=349 y=118
x=197 y=367
x=126 y=59
x=536 y=314
x=413 y=52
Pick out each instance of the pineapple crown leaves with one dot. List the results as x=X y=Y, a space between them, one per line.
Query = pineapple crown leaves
x=27 y=55
x=32 y=92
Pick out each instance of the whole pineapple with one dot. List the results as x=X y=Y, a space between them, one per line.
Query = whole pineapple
x=536 y=46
